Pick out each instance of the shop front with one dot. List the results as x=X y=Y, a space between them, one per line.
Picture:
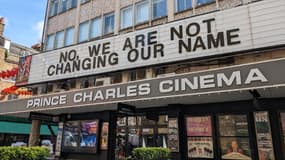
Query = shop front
x=234 y=112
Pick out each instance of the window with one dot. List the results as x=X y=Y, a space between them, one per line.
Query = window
x=126 y=17
x=201 y=2
x=109 y=23
x=159 y=8
x=50 y=42
x=63 y=5
x=83 y=31
x=73 y=3
x=199 y=137
x=83 y=1
x=59 y=39
x=234 y=137
x=54 y=7
x=142 y=12
x=69 y=36
x=183 y=5
x=96 y=29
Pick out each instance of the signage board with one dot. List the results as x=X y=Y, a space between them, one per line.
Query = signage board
x=223 y=32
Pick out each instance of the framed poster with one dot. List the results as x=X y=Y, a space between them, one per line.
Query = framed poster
x=263 y=135
x=104 y=136
x=199 y=126
x=71 y=134
x=173 y=136
x=200 y=147
x=24 y=70
x=89 y=133
x=235 y=148
x=233 y=125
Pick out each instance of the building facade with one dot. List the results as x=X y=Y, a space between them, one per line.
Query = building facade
x=200 y=77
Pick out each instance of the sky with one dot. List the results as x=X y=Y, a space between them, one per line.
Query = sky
x=24 y=20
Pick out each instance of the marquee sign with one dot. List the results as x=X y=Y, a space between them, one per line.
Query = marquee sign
x=244 y=77
x=215 y=33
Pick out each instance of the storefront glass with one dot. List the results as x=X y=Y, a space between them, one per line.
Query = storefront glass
x=234 y=137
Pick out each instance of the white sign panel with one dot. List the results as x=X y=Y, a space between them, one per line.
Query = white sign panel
x=241 y=28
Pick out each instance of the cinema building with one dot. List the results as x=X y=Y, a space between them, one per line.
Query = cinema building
x=203 y=78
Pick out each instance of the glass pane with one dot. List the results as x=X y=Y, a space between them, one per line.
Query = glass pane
x=235 y=148
x=59 y=39
x=201 y=2
x=83 y=31
x=109 y=24
x=96 y=27
x=73 y=3
x=199 y=126
x=50 y=42
x=159 y=8
x=54 y=6
x=126 y=18
x=200 y=147
x=69 y=38
x=233 y=125
x=63 y=5
x=142 y=12
x=263 y=134
x=71 y=134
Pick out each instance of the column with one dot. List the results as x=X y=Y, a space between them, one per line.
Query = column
x=35 y=133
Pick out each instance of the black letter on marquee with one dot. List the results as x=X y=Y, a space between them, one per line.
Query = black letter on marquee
x=136 y=55
x=128 y=44
x=151 y=36
x=182 y=45
x=208 y=21
x=188 y=28
x=178 y=34
x=158 y=48
x=94 y=50
x=219 y=40
x=199 y=43
x=63 y=57
x=231 y=36
x=140 y=39
x=49 y=71
x=106 y=46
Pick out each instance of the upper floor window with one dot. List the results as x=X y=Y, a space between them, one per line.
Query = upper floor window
x=54 y=7
x=83 y=31
x=50 y=42
x=69 y=36
x=73 y=3
x=182 y=5
x=59 y=39
x=126 y=17
x=109 y=23
x=201 y=2
x=83 y=1
x=142 y=12
x=159 y=8
x=63 y=5
x=96 y=28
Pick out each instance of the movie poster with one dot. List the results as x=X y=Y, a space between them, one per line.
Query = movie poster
x=200 y=147
x=89 y=133
x=104 y=136
x=235 y=148
x=24 y=70
x=173 y=138
x=199 y=126
x=233 y=125
x=263 y=134
x=71 y=134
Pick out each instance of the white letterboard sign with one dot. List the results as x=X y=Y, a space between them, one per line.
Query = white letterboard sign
x=252 y=26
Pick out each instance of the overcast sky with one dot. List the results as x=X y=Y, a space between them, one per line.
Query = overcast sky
x=24 y=20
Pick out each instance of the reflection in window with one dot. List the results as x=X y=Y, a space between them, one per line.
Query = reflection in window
x=54 y=7
x=182 y=5
x=96 y=28
x=126 y=17
x=201 y=2
x=69 y=36
x=50 y=42
x=63 y=5
x=142 y=12
x=109 y=23
x=83 y=31
x=159 y=8
x=59 y=39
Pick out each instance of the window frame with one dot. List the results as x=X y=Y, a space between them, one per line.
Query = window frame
x=185 y=8
x=65 y=36
x=121 y=17
x=91 y=27
x=88 y=31
x=136 y=22
x=104 y=23
x=53 y=42
x=152 y=9
x=56 y=39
